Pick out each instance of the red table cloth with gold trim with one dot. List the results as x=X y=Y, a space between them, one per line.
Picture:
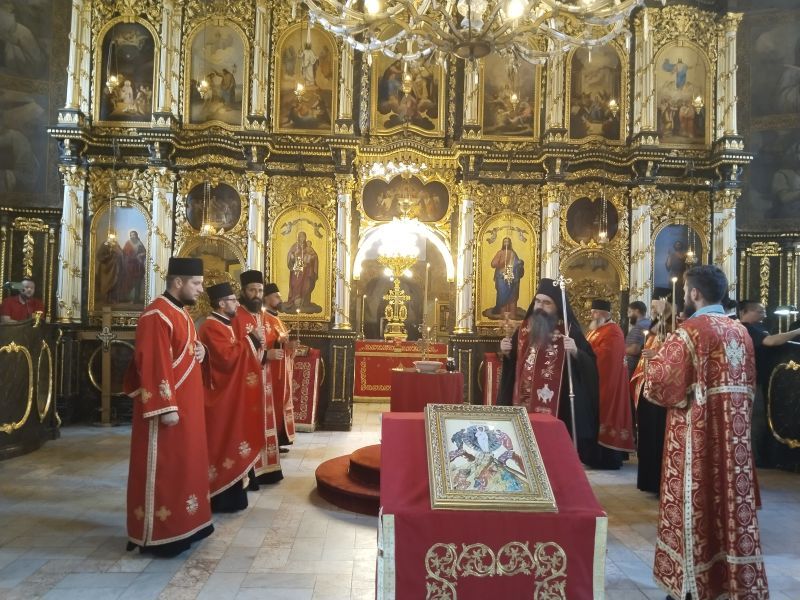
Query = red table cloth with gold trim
x=425 y=553
x=411 y=391
x=306 y=381
x=375 y=360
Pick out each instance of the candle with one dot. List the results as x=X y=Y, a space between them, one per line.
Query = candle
x=674 y=312
x=363 y=303
x=425 y=305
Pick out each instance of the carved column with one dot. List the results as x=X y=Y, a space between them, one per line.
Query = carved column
x=644 y=82
x=70 y=251
x=471 y=96
x=465 y=274
x=554 y=114
x=551 y=229
x=344 y=118
x=725 y=234
x=258 y=95
x=256 y=220
x=726 y=132
x=167 y=84
x=161 y=228
x=642 y=198
x=341 y=299
x=76 y=106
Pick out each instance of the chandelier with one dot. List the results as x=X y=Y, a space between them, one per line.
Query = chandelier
x=532 y=30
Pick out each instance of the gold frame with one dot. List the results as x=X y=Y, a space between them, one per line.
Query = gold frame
x=15 y=425
x=186 y=74
x=790 y=366
x=326 y=277
x=689 y=222
x=98 y=82
x=537 y=109
x=28 y=226
x=125 y=202
x=622 y=100
x=50 y=380
x=540 y=499
x=92 y=379
x=441 y=325
x=374 y=129
x=440 y=225
x=277 y=71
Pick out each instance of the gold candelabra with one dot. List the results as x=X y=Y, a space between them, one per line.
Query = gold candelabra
x=396 y=309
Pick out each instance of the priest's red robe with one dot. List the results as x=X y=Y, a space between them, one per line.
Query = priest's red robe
x=168 y=496
x=708 y=537
x=269 y=460
x=281 y=371
x=234 y=406
x=537 y=385
x=616 y=419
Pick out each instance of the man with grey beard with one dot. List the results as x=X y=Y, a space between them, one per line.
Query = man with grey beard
x=535 y=373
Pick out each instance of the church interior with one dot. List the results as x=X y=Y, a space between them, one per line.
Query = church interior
x=405 y=173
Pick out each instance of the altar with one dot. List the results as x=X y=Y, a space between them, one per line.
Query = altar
x=375 y=359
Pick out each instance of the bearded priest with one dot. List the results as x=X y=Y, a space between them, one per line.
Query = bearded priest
x=234 y=401
x=615 y=435
x=535 y=373
x=168 y=506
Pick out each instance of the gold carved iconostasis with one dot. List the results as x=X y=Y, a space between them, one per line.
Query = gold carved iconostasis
x=252 y=138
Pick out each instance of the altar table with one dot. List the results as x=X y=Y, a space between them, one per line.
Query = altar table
x=478 y=554
x=411 y=391
x=375 y=360
x=305 y=386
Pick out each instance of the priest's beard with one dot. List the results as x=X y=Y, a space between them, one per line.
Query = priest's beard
x=689 y=308
x=543 y=326
x=595 y=323
x=252 y=304
x=633 y=319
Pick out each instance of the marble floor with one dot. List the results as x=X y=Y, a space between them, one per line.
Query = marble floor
x=62 y=530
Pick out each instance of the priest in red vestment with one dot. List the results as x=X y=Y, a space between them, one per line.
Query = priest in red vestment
x=535 y=373
x=168 y=505
x=281 y=365
x=234 y=401
x=250 y=318
x=708 y=543
x=615 y=435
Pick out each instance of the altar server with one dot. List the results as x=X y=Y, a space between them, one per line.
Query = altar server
x=281 y=365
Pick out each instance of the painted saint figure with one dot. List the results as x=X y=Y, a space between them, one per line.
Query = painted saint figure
x=509 y=269
x=492 y=465
x=303 y=264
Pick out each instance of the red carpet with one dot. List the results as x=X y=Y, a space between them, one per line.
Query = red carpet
x=352 y=482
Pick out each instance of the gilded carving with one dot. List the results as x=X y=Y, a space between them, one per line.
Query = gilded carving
x=242 y=13
x=14 y=348
x=680 y=22
x=104 y=11
x=105 y=184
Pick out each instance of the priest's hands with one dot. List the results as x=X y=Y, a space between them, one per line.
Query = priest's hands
x=169 y=419
x=275 y=354
x=260 y=334
x=505 y=345
x=199 y=352
x=569 y=346
x=649 y=353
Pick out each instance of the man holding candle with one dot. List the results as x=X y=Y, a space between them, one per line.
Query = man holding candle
x=249 y=319
x=708 y=538
x=281 y=365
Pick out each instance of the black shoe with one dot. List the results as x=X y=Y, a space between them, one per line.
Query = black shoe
x=283 y=450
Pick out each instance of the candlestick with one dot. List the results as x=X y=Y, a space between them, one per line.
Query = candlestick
x=674 y=312
x=425 y=304
x=363 y=302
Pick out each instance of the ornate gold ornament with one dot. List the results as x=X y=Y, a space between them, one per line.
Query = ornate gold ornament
x=44 y=407
x=14 y=348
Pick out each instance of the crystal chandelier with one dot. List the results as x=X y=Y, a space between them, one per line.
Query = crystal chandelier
x=532 y=30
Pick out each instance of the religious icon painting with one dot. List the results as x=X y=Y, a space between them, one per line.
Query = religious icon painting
x=216 y=208
x=677 y=247
x=595 y=80
x=588 y=218
x=222 y=262
x=427 y=202
x=118 y=270
x=407 y=95
x=485 y=458
x=594 y=274
x=772 y=45
x=306 y=74
x=507 y=269
x=125 y=73
x=510 y=93
x=300 y=263
x=683 y=95
x=215 y=90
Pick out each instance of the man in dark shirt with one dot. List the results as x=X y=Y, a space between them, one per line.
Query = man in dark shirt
x=751 y=315
x=634 y=342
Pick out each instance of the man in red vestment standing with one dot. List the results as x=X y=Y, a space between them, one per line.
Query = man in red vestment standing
x=615 y=435
x=168 y=506
x=708 y=543
x=250 y=318
x=234 y=401
x=281 y=366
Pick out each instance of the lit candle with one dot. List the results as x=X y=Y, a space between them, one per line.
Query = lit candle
x=674 y=304
x=425 y=305
x=363 y=303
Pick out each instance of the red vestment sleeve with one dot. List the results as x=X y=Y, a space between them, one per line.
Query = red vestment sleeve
x=154 y=376
x=670 y=374
x=226 y=354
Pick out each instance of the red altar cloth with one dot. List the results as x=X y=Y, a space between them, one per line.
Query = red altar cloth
x=375 y=360
x=411 y=536
x=411 y=391
x=490 y=378
x=305 y=382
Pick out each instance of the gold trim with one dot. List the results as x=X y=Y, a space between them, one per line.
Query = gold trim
x=13 y=426
x=90 y=362
x=50 y=380
x=790 y=366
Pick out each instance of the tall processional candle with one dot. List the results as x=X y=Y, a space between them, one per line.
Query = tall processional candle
x=674 y=304
x=363 y=304
x=425 y=305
